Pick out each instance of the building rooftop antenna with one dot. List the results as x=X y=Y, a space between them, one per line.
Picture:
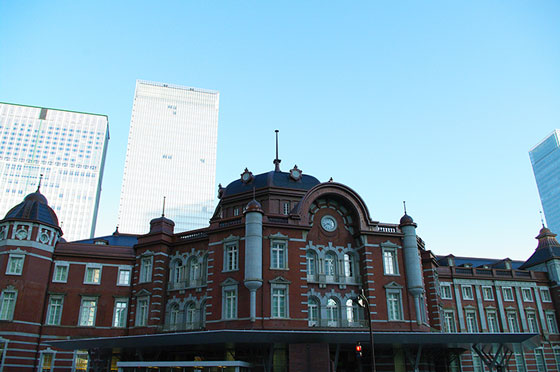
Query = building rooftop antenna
x=40 y=179
x=277 y=161
x=163 y=210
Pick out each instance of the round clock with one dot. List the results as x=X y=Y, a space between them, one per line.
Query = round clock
x=21 y=234
x=328 y=223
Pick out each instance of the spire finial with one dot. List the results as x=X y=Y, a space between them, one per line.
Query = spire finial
x=163 y=211
x=404 y=204
x=542 y=220
x=277 y=161
x=40 y=179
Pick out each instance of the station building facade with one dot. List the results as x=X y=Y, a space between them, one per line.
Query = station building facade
x=270 y=285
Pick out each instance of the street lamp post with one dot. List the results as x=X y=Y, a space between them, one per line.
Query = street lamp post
x=364 y=303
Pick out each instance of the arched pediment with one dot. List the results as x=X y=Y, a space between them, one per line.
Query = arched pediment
x=344 y=195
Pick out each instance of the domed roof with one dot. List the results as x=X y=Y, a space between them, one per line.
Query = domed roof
x=34 y=208
x=271 y=179
x=406 y=220
x=254 y=206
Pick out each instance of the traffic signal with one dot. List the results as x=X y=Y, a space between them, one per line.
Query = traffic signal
x=358 y=350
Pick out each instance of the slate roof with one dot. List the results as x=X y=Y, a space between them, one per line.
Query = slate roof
x=271 y=179
x=548 y=248
x=34 y=208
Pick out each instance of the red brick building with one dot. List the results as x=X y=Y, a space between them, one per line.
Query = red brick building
x=270 y=285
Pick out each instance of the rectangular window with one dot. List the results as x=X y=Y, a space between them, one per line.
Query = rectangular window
x=278 y=255
x=120 y=312
x=92 y=275
x=467 y=292
x=512 y=322
x=394 y=305
x=508 y=293
x=446 y=293
x=532 y=322
x=390 y=262
x=449 y=322
x=146 y=269
x=520 y=362
x=279 y=303
x=123 y=276
x=54 y=311
x=488 y=293
x=539 y=359
x=81 y=360
x=47 y=359
x=470 y=319
x=231 y=257
x=15 y=264
x=527 y=294
x=230 y=304
x=88 y=311
x=545 y=293
x=492 y=322
x=142 y=312
x=7 y=305
x=60 y=272
x=286 y=208
x=551 y=322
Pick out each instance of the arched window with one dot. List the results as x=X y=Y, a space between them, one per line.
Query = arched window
x=330 y=264
x=174 y=318
x=349 y=265
x=194 y=272
x=352 y=313
x=177 y=273
x=332 y=312
x=311 y=259
x=191 y=315
x=313 y=312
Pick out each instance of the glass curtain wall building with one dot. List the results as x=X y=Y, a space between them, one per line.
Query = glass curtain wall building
x=68 y=148
x=171 y=153
x=545 y=158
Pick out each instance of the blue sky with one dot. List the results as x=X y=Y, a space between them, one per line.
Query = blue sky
x=432 y=102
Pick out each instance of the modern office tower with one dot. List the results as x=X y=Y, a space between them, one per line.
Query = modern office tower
x=67 y=148
x=171 y=153
x=545 y=158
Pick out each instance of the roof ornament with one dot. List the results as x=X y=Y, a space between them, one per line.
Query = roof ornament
x=246 y=176
x=404 y=204
x=542 y=220
x=330 y=179
x=163 y=211
x=40 y=179
x=295 y=173
x=277 y=161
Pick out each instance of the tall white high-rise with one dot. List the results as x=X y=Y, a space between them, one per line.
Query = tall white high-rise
x=171 y=153
x=68 y=148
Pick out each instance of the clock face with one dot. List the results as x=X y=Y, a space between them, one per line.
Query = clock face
x=44 y=238
x=246 y=177
x=328 y=223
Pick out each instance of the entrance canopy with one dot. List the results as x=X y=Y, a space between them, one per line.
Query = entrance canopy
x=445 y=340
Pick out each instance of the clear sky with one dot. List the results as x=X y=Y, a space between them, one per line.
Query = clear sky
x=432 y=102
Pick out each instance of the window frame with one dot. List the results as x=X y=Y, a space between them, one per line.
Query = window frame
x=487 y=290
x=231 y=261
x=311 y=259
x=119 y=300
x=124 y=269
x=277 y=262
x=446 y=324
x=464 y=288
x=511 y=315
x=468 y=323
x=328 y=274
x=510 y=291
x=527 y=294
x=551 y=316
x=276 y=307
x=333 y=312
x=81 y=320
x=494 y=315
x=141 y=319
x=146 y=270
x=446 y=285
x=313 y=308
x=390 y=314
x=15 y=256
x=532 y=322
x=11 y=310
x=227 y=313
x=93 y=266
x=548 y=295
x=50 y=310
x=57 y=265
x=392 y=268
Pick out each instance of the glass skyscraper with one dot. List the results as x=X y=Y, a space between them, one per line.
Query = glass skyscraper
x=171 y=153
x=545 y=158
x=68 y=148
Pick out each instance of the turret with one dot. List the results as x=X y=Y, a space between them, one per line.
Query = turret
x=253 y=252
x=412 y=263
